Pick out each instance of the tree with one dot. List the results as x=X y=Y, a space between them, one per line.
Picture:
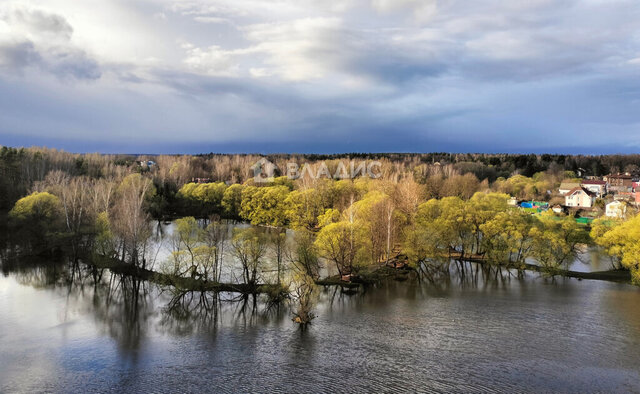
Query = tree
x=130 y=220
x=278 y=241
x=249 y=247
x=186 y=239
x=41 y=210
x=264 y=205
x=304 y=256
x=215 y=237
x=620 y=240
x=506 y=237
x=38 y=214
x=304 y=296
x=556 y=240
x=302 y=208
x=340 y=243
x=481 y=208
x=232 y=201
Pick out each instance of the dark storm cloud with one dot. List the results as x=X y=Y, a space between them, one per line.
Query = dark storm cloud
x=43 y=40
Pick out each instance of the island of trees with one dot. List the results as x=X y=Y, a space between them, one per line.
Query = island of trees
x=424 y=212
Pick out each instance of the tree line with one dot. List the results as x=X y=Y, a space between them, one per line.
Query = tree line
x=424 y=210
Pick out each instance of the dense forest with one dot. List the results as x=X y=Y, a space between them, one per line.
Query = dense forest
x=425 y=209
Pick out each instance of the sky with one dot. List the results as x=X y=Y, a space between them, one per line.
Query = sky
x=265 y=76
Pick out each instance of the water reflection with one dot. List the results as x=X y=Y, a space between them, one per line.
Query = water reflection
x=458 y=326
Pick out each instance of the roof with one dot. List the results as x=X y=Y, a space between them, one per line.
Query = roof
x=577 y=189
x=594 y=182
x=619 y=176
x=569 y=185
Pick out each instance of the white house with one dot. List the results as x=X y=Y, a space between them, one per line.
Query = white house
x=580 y=197
x=596 y=186
x=616 y=209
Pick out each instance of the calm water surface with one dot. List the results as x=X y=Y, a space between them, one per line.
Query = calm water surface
x=62 y=329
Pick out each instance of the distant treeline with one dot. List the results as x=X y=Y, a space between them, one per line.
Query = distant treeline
x=20 y=168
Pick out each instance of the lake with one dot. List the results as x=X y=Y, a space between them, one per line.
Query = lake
x=65 y=329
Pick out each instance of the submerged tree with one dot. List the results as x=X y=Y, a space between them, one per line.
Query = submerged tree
x=130 y=219
x=304 y=256
x=620 y=240
x=304 y=297
x=249 y=247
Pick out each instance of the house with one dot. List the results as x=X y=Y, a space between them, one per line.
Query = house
x=580 y=197
x=557 y=209
x=619 y=182
x=616 y=209
x=566 y=187
x=512 y=201
x=632 y=197
x=596 y=186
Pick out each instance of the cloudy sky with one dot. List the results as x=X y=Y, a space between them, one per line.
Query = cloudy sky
x=155 y=76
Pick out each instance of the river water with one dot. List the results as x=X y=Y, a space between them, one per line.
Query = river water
x=63 y=329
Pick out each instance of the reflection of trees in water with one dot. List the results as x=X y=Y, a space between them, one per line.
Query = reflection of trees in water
x=121 y=304
x=189 y=311
x=466 y=274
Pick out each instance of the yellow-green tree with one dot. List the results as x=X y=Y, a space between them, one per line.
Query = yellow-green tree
x=232 y=201
x=482 y=208
x=341 y=243
x=506 y=237
x=620 y=239
x=302 y=208
x=37 y=207
x=555 y=241
x=249 y=247
x=264 y=205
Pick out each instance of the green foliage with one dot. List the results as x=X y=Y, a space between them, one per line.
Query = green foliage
x=37 y=207
x=556 y=240
x=105 y=240
x=203 y=199
x=343 y=244
x=264 y=205
x=302 y=208
x=249 y=247
x=620 y=240
x=506 y=237
x=232 y=201
x=36 y=218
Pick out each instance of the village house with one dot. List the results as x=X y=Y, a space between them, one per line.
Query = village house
x=630 y=197
x=566 y=187
x=619 y=182
x=596 y=186
x=616 y=209
x=580 y=197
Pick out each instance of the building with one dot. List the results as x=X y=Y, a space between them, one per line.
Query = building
x=596 y=186
x=631 y=197
x=566 y=187
x=619 y=182
x=557 y=209
x=616 y=209
x=580 y=197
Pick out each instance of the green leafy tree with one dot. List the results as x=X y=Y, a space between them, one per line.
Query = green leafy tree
x=620 y=240
x=249 y=247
